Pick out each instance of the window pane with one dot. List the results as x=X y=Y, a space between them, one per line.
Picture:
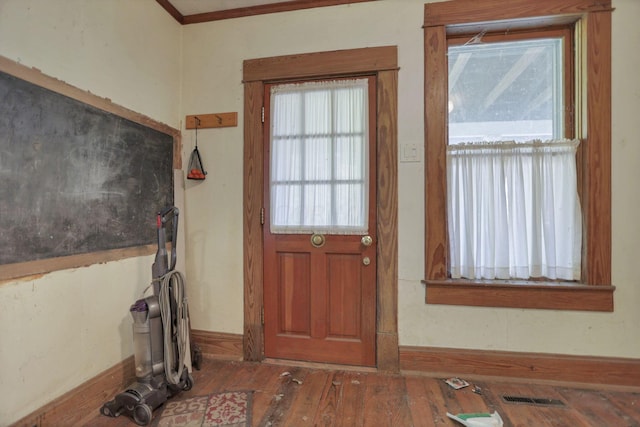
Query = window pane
x=317 y=159
x=317 y=205
x=350 y=204
x=289 y=122
x=349 y=112
x=507 y=91
x=317 y=114
x=286 y=159
x=286 y=210
x=347 y=154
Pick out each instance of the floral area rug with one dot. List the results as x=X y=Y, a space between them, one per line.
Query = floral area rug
x=227 y=409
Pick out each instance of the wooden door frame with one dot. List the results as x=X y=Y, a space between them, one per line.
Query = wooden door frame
x=382 y=62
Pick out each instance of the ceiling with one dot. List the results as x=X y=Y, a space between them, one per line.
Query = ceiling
x=194 y=11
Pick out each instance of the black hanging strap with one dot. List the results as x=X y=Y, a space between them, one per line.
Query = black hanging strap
x=196 y=169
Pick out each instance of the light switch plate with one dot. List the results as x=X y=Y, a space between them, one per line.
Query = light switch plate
x=410 y=152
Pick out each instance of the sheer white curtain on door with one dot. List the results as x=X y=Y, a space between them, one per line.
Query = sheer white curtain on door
x=319 y=151
x=513 y=210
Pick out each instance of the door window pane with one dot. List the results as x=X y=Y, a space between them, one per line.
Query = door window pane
x=319 y=157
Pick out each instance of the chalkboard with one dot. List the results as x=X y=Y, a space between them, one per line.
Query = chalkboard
x=74 y=178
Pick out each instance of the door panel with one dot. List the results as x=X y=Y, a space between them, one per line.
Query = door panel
x=344 y=308
x=320 y=300
x=294 y=293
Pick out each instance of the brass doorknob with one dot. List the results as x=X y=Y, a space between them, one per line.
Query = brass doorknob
x=317 y=240
x=367 y=240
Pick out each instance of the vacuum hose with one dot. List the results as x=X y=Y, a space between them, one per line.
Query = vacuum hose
x=174 y=281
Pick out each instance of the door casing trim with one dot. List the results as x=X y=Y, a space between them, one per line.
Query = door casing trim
x=379 y=61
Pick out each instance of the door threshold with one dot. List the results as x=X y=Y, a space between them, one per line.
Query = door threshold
x=318 y=365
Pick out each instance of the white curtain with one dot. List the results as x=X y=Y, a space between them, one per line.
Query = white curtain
x=319 y=151
x=513 y=210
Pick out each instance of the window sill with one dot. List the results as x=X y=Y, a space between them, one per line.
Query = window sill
x=537 y=295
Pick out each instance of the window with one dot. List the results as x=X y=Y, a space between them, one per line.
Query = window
x=319 y=153
x=512 y=202
x=501 y=82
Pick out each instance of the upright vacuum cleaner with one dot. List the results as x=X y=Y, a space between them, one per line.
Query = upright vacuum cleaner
x=162 y=350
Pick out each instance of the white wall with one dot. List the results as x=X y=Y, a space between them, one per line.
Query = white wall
x=61 y=329
x=213 y=55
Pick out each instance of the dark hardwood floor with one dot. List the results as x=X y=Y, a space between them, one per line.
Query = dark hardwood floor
x=296 y=395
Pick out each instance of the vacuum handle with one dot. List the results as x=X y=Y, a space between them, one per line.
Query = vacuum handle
x=170 y=212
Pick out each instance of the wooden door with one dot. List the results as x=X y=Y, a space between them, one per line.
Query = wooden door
x=320 y=279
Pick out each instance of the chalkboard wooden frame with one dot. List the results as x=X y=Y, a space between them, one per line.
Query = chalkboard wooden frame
x=43 y=266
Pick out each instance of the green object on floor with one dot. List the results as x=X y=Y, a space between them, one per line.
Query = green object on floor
x=478 y=419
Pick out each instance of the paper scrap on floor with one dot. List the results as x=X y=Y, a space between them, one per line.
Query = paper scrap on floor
x=456 y=383
x=480 y=419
